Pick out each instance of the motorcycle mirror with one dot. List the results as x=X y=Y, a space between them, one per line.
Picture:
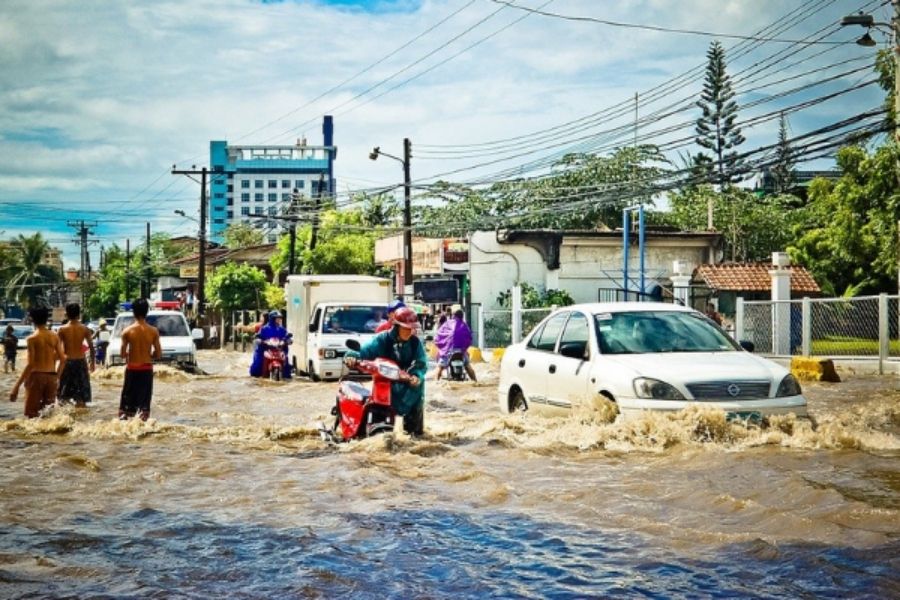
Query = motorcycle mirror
x=353 y=344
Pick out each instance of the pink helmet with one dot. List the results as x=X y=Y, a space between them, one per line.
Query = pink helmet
x=406 y=317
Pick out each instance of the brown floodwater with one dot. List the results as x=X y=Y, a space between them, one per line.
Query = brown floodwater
x=229 y=490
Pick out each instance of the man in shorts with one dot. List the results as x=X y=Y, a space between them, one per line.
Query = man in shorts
x=45 y=361
x=140 y=345
x=75 y=381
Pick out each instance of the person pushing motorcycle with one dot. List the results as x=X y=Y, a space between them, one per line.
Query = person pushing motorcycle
x=403 y=346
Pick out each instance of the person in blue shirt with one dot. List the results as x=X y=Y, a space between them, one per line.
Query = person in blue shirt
x=272 y=329
x=401 y=345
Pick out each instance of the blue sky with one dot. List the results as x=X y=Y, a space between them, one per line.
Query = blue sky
x=98 y=100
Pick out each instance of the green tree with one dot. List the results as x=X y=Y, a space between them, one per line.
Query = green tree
x=850 y=237
x=113 y=283
x=236 y=286
x=27 y=276
x=716 y=129
x=274 y=297
x=242 y=235
x=885 y=66
x=783 y=170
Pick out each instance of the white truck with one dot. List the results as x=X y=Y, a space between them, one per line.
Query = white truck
x=324 y=311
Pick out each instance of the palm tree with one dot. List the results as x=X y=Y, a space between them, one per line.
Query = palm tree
x=27 y=270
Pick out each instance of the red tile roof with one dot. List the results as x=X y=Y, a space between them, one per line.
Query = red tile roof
x=747 y=277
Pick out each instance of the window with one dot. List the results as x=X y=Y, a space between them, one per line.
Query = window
x=258 y=197
x=576 y=333
x=245 y=210
x=273 y=197
x=229 y=215
x=245 y=197
x=273 y=210
x=300 y=184
x=273 y=183
x=257 y=210
x=230 y=202
x=286 y=183
x=219 y=221
x=546 y=340
x=258 y=184
x=218 y=208
x=285 y=197
x=245 y=184
x=218 y=195
x=230 y=188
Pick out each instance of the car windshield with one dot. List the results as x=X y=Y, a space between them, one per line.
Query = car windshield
x=352 y=319
x=168 y=325
x=22 y=331
x=642 y=332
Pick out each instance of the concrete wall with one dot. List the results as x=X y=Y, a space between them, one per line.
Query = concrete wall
x=586 y=264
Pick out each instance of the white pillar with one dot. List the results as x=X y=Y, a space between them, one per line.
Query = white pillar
x=681 y=289
x=516 y=316
x=781 y=304
x=480 y=321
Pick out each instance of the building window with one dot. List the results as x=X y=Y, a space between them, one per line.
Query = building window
x=245 y=197
x=300 y=184
x=218 y=208
x=273 y=183
x=245 y=184
x=230 y=188
x=258 y=197
x=229 y=214
x=245 y=210
x=285 y=197
x=286 y=183
x=258 y=210
x=219 y=221
x=218 y=195
x=273 y=197
x=273 y=211
x=258 y=184
x=230 y=202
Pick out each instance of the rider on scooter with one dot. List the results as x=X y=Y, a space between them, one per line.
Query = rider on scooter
x=272 y=329
x=401 y=345
x=454 y=336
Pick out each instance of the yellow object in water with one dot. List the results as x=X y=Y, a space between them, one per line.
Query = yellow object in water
x=431 y=350
x=475 y=354
x=497 y=355
x=810 y=368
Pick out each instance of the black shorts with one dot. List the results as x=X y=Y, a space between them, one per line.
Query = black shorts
x=75 y=383
x=136 y=392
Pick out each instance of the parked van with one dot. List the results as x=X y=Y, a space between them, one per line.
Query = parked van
x=175 y=336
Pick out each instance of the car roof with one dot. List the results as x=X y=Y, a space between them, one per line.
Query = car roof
x=617 y=307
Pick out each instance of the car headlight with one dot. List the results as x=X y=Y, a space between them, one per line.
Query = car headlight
x=644 y=387
x=788 y=387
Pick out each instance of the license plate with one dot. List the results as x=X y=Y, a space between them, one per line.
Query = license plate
x=456 y=363
x=745 y=416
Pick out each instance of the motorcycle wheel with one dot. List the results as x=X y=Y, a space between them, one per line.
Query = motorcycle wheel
x=275 y=375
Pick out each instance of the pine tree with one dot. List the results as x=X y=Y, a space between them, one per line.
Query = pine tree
x=783 y=170
x=716 y=129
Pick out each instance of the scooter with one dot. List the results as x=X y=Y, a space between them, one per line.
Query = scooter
x=360 y=412
x=456 y=369
x=273 y=358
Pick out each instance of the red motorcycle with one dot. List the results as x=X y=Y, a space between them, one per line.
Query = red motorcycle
x=360 y=412
x=273 y=358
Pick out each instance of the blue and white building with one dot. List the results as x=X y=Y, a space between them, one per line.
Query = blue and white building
x=249 y=183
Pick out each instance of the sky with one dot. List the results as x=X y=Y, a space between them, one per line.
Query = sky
x=98 y=99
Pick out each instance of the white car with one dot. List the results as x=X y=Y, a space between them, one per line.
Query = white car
x=175 y=337
x=642 y=356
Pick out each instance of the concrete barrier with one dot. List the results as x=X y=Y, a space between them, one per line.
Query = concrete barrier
x=810 y=368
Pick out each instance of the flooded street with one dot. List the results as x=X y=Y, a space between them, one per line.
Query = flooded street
x=228 y=490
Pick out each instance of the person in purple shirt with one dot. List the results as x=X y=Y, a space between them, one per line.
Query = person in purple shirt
x=453 y=335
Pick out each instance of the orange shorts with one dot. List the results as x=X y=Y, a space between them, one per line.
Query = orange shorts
x=40 y=391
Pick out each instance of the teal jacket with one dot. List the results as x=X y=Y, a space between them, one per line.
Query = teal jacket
x=411 y=357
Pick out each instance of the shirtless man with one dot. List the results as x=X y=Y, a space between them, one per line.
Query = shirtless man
x=140 y=345
x=75 y=381
x=41 y=372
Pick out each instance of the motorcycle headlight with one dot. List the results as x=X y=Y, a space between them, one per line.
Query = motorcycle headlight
x=788 y=387
x=654 y=389
x=389 y=371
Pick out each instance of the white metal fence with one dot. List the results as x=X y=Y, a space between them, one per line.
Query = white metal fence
x=867 y=326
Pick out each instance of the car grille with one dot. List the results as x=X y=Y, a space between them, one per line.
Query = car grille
x=725 y=390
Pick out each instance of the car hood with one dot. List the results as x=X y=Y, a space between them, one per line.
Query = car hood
x=169 y=343
x=699 y=366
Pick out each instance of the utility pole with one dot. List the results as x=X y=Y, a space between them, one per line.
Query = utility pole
x=314 y=234
x=128 y=269
x=407 y=220
x=201 y=272
x=145 y=268
x=83 y=231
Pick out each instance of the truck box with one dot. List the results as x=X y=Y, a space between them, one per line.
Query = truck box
x=323 y=311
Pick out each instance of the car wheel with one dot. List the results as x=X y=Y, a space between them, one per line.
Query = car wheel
x=517 y=401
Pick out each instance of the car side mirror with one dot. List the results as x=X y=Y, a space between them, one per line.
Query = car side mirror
x=197 y=333
x=313 y=327
x=353 y=344
x=747 y=345
x=572 y=350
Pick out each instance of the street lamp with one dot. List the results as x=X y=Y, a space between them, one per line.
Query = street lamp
x=407 y=216
x=869 y=22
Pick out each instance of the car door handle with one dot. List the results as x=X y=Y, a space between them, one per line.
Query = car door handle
x=553 y=368
x=521 y=362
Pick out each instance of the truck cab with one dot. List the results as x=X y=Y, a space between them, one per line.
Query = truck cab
x=324 y=311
